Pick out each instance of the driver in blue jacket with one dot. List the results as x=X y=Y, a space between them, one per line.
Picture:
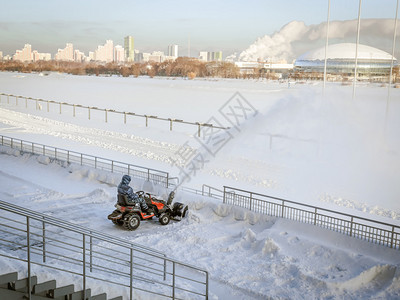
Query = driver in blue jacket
x=132 y=197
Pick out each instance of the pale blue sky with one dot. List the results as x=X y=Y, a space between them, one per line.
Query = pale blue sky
x=230 y=26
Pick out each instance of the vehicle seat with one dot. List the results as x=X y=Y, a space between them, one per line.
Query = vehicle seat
x=122 y=200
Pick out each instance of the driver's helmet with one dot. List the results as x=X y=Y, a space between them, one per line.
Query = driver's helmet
x=126 y=179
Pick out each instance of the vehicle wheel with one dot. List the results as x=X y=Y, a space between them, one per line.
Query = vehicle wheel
x=164 y=219
x=118 y=222
x=131 y=221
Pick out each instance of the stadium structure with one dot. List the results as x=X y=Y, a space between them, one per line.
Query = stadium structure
x=371 y=62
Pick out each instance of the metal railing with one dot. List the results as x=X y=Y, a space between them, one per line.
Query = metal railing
x=153 y=175
x=40 y=240
x=366 y=229
x=206 y=190
x=59 y=105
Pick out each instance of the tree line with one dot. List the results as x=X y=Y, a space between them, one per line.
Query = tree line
x=181 y=67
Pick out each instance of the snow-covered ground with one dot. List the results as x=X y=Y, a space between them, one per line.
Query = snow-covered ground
x=327 y=150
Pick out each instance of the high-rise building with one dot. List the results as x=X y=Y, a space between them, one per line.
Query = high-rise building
x=24 y=54
x=105 y=53
x=214 y=56
x=218 y=56
x=66 y=54
x=173 y=51
x=119 y=55
x=1 y=55
x=129 y=49
x=79 y=56
x=157 y=56
x=138 y=56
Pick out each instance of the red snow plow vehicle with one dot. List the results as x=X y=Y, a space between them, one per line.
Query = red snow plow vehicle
x=130 y=216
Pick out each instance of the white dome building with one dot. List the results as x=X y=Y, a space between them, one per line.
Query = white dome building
x=341 y=59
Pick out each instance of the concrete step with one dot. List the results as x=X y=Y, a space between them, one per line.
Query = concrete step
x=61 y=291
x=6 y=278
x=99 y=297
x=6 y=294
x=43 y=288
x=13 y=289
x=79 y=295
x=22 y=284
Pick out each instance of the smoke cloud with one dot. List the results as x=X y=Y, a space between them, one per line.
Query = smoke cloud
x=296 y=37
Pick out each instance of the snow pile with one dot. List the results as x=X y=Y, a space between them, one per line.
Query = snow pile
x=10 y=151
x=375 y=278
x=43 y=159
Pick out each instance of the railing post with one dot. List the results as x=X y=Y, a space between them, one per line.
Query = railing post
x=89 y=113
x=148 y=174
x=44 y=240
x=8 y=99
x=173 y=279
x=131 y=276
x=167 y=180
x=44 y=150
x=392 y=239
x=170 y=124
x=37 y=104
x=91 y=250
x=147 y=120
x=48 y=106
x=351 y=227
x=81 y=159
x=28 y=249
x=112 y=166
x=283 y=209
x=224 y=196
x=106 y=114
x=251 y=199
x=315 y=216
x=16 y=100
x=74 y=110
x=55 y=153
x=84 y=266
x=206 y=285
x=68 y=156
x=26 y=102
x=165 y=267
x=198 y=129
x=124 y=117
x=60 y=108
x=95 y=162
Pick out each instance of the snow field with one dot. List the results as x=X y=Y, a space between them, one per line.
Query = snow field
x=254 y=256
x=324 y=150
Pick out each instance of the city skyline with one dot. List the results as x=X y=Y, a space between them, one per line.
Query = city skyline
x=106 y=53
x=229 y=27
